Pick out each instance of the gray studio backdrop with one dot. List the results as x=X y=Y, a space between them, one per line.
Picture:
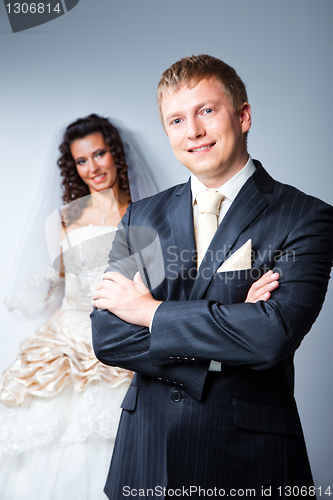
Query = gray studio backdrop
x=106 y=56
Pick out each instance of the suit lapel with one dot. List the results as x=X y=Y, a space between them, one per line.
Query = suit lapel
x=183 y=238
x=248 y=204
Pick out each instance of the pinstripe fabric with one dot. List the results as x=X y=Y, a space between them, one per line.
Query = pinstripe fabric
x=239 y=428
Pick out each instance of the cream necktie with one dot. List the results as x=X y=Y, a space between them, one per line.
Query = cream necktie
x=209 y=203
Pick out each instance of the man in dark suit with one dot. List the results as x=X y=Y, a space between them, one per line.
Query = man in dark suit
x=211 y=410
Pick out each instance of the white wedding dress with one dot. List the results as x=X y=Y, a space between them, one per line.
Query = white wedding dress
x=59 y=406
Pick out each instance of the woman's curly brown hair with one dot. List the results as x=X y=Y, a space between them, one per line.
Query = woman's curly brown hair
x=73 y=186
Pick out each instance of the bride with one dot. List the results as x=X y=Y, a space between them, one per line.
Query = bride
x=59 y=406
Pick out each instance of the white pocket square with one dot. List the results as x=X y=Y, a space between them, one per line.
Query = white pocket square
x=239 y=260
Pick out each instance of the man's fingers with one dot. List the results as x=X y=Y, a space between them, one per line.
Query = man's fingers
x=266 y=284
x=116 y=290
x=102 y=293
x=270 y=287
x=102 y=303
x=116 y=277
x=137 y=279
x=264 y=280
x=106 y=285
x=111 y=280
x=263 y=297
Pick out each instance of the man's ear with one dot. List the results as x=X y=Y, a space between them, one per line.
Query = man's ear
x=245 y=117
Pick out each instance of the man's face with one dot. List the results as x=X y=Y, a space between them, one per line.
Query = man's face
x=205 y=132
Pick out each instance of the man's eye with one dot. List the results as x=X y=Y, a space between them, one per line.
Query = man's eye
x=208 y=111
x=176 y=121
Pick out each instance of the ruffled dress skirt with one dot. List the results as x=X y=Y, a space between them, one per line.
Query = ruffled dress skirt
x=58 y=418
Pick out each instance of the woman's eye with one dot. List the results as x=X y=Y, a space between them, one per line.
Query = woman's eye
x=80 y=162
x=100 y=153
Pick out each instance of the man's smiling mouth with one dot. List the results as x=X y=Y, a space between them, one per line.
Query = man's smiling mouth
x=202 y=148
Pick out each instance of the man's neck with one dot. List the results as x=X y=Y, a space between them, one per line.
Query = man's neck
x=217 y=182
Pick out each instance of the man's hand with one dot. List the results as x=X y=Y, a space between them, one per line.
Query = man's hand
x=130 y=300
x=261 y=289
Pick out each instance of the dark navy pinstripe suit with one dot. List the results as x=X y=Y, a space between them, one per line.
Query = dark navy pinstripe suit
x=181 y=425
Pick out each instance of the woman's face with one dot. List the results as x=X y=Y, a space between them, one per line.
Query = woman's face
x=94 y=162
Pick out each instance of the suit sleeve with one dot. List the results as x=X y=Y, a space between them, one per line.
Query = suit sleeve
x=118 y=343
x=256 y=335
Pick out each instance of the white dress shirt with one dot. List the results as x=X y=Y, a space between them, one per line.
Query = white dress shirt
x=229 y=190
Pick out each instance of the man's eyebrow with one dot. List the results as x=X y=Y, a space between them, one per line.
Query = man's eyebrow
x=172 y=115
x=208 y=103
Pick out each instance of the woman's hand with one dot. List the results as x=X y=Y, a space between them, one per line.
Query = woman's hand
x=261 y=289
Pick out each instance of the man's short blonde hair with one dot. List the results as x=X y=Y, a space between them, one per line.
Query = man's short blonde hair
x=190 y=70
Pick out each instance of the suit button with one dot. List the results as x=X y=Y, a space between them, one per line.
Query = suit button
x=176 y=396
x=193 y=359
x=171 y=357
x=182 y=386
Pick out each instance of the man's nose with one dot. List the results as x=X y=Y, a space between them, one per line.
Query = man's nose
x=195 y=128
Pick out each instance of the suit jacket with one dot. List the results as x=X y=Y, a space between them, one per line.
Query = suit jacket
x=183 y=426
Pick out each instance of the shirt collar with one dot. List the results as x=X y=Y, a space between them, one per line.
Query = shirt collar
x=231 y=188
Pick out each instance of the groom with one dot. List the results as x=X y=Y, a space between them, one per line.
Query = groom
x=211 y=410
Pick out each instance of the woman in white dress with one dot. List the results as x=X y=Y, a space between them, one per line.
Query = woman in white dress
x=59 y=406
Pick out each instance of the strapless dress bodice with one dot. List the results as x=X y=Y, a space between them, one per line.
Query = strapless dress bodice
x=85 y=253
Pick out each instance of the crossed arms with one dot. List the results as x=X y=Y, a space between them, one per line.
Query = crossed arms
x=257 y=335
